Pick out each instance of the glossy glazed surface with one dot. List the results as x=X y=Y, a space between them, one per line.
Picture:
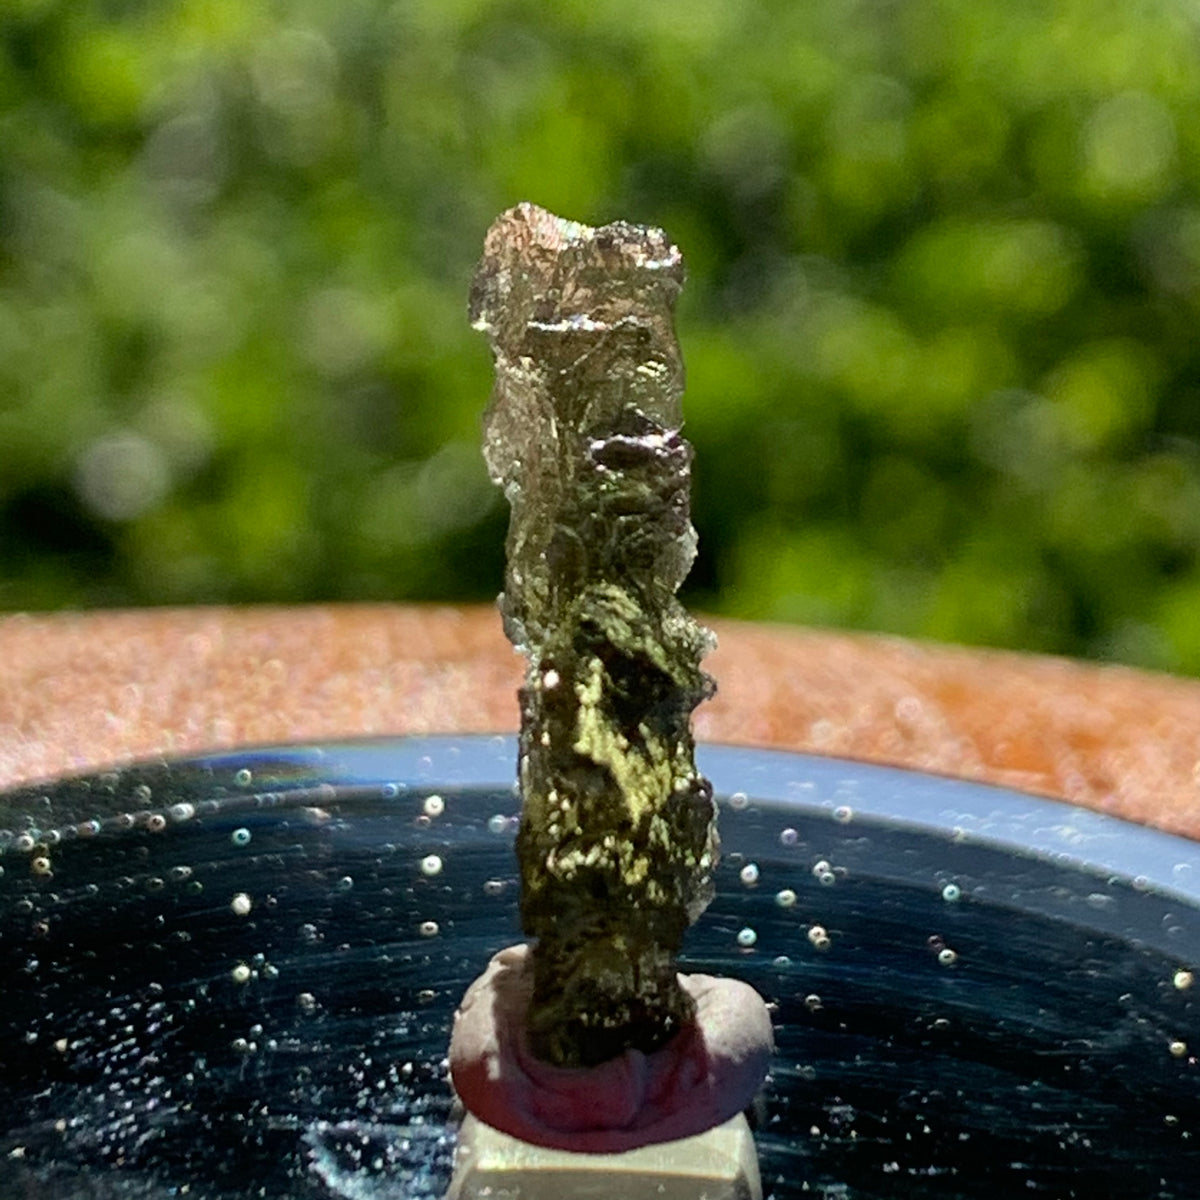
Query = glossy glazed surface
x=237 y=975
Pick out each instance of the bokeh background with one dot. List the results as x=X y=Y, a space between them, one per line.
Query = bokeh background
x=941 y=325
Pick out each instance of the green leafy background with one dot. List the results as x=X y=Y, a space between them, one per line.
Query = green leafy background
x=944 y=377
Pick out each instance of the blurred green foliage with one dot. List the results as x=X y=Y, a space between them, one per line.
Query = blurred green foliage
x=944 y=378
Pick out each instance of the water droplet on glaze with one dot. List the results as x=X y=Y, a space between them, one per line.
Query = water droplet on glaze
x=1183 y=980
x=428 y=929
x=951 y=893
x=434 y=806
x=947 y=957
x=788 y=837
x=746 y=937
x=244 y=777
x=240 y=837
x=241 y=904
x=749 y=874
x=785 y=898
x=431 y=864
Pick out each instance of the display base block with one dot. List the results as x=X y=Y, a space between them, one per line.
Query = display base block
x=720 y=1164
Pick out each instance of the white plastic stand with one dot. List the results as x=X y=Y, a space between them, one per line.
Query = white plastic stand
x=720 y=1164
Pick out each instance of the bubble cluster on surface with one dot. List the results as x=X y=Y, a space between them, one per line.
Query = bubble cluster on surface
x=818 y=935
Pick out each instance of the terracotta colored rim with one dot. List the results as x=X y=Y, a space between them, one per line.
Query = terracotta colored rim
x=79 y=691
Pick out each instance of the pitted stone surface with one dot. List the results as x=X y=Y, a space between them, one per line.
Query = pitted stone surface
x=618 y=835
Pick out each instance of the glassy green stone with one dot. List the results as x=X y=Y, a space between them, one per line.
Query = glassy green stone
x=618 y=836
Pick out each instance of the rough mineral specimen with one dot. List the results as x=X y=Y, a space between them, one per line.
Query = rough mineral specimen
x=618 y=839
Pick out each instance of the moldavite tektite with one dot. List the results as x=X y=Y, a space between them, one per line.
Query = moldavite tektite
x=618 y=837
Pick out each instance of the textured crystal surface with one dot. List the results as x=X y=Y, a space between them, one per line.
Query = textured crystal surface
x=618 y=837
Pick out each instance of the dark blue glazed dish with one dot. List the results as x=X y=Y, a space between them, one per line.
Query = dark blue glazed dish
x=234 y=976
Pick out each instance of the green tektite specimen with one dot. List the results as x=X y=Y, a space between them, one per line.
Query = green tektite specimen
x=618 y=837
